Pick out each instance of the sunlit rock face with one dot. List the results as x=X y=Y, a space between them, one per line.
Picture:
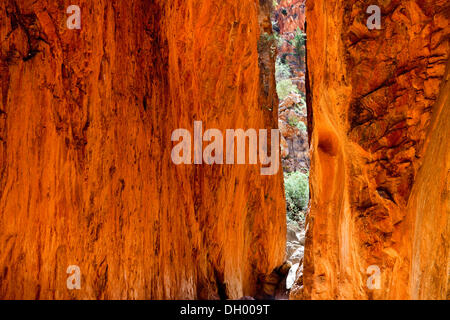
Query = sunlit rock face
x=290 y=17
x=380 y=164
x=85 y=150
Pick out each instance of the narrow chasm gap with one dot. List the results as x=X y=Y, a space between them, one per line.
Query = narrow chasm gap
x=289 y=27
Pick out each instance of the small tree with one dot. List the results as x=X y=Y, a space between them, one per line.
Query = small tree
x=297 y=194
x=299 y=43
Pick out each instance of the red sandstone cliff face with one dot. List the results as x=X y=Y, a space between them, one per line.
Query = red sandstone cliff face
x=87 y=179
x=290 y=15
x=380 y=150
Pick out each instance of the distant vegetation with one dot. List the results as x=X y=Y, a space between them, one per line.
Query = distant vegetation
x=284 y=83
x=286 y=66
x=285 y=87
x=294 y=122
x=299 y=43
x=282 y=70
x=297 y=195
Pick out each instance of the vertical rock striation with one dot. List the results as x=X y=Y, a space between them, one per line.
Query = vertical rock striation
x=86 y=118
x=380 y=150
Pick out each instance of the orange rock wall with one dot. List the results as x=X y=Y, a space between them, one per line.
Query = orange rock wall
x=85 y=141
x=380 y=150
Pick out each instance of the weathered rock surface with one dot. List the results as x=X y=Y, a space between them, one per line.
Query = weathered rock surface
x=295 y=242
x=289 y=17
x=292 y=276
x=379 y=105
x=292 y=123
x=290 y=14
x=85 y=140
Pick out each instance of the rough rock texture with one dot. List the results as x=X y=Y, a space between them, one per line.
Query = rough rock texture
x=295 y=242
x=294 y=136
x=289 y=16
x=85 y=140
x=380 y=150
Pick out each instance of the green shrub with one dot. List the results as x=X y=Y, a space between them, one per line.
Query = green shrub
x=284 y=83
x=297 y=194
x=302 y=126
x=294 y=122
x=282 y=70
x=299 y=44
x=285 y=87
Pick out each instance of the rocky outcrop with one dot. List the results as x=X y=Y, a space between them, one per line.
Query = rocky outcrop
x=380 y=151
x=295 y=243
x=86 y=120
x=294 y=136
x=289 y=17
